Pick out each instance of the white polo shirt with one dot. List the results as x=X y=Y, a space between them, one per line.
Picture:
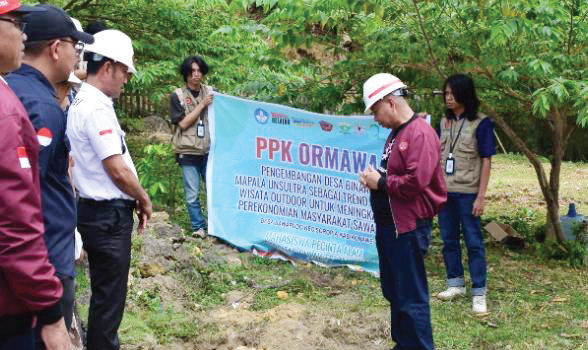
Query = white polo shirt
x=95 y=134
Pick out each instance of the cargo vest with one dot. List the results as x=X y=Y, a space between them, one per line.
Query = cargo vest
x=187 y=141
x=468 y=164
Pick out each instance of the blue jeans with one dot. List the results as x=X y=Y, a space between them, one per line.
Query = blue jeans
x=458 y=212
x=404 y=285
x=191 y=175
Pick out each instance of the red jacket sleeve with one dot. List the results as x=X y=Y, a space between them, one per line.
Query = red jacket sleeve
x=420 y=157
x=27 y=278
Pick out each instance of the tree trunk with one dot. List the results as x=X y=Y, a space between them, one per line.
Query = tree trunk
x=549 y=188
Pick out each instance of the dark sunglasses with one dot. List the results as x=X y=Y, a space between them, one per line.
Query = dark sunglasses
x=18 y=23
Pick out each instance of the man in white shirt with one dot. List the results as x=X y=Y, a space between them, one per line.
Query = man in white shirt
x=107 y=182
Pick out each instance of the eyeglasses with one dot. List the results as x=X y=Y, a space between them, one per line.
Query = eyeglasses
x=78 y=45
x=18 y=23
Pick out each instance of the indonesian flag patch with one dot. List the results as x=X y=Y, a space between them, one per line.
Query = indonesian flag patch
x=44 y=136
x=23 y=158
x=105 y=132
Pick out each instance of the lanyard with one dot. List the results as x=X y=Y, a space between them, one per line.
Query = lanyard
x=451 y=142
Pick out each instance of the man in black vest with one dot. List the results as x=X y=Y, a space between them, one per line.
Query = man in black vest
x=191 y=139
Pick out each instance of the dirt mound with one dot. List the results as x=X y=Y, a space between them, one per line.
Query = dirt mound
x=167 y=269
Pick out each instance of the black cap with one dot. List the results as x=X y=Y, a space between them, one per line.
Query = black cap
x=52 y=23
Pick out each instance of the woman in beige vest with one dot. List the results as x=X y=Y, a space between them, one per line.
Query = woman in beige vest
x=467 y=145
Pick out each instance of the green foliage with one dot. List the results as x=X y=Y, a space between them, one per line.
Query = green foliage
x=148 y=299
x=160 y=175
x=573 y=252
x=130 y=124
x=529 y=224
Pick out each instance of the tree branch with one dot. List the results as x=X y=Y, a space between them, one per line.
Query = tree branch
x=72 y=5
x=571 y=32
x=428 y=40
x=520 y=145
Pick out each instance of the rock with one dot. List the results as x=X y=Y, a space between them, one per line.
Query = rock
x=154 y=247
x=196 y=251
x=151 y=269
x=234 y=296
x=159 y=217
x=156 y=124
x=234 y=260
x=163 y=229
x=281 y=294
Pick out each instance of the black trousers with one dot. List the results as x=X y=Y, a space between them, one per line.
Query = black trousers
x=106 y=233
x=22 y=341
x=17 y=332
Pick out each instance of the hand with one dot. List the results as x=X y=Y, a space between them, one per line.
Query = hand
x=55 y=336
x=478 y=207
x=370 y=178
x=144 y=210
x=206 y=101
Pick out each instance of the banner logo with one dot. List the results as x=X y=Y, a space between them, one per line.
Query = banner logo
x=261 y=116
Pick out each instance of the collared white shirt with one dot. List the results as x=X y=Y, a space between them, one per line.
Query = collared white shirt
x=95 y=134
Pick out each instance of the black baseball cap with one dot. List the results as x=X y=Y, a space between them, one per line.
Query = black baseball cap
x=52 y=23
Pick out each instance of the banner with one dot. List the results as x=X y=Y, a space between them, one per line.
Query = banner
x=283 y=182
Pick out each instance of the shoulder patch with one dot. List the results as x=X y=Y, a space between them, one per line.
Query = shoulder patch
x=105 y=132
x=403 y=146
x=23 y=157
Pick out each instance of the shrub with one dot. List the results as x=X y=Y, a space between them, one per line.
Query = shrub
x=160 y=176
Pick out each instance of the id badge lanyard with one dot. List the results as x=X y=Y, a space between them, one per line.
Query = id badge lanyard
x=450 y=161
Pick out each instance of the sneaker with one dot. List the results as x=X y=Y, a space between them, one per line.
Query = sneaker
x=452 y=293
x=479 y=305
x=199 y=233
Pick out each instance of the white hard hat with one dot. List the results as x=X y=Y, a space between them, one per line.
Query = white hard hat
x=77 y=24
x=378 y=86
x=114 y=44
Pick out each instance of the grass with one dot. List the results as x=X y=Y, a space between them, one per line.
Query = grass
x=514 y=184
x=534 y=303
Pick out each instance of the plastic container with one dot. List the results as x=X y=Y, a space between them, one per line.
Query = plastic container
x=568 y=221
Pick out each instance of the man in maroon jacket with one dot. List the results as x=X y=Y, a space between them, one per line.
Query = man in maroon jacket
x=407 y=192
x=29 y=289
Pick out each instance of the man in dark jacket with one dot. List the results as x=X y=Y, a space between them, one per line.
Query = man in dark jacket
x=29 y=288
x=52 y=51
x=407 y=192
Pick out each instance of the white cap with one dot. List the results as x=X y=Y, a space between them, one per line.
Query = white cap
x=378 y=86
x=114 y=44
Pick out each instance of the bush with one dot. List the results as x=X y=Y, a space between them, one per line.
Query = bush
x=531 y=226
x=526 y=221
x=574 y=252
x=160 y=176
